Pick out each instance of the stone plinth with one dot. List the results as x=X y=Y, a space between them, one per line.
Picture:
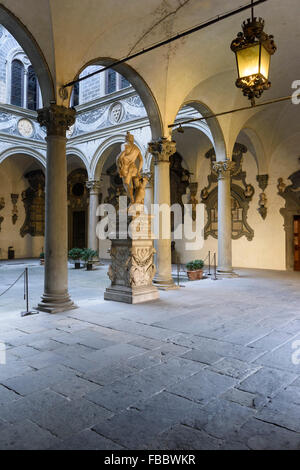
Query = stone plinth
x=132 y=269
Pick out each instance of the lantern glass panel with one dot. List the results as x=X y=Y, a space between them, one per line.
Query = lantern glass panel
x=248 y=61
x=265 y=63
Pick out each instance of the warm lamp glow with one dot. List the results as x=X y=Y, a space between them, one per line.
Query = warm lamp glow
x=253 y=49
x=253 y=60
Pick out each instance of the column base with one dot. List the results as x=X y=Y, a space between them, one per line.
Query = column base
x=226 y=273
x=162 y=284
x=55 y=304
x=131 y=295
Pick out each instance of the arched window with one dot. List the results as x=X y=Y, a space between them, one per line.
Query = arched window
x=17 y=83
x=75 y=94
x=32 y=89
x=111 y=83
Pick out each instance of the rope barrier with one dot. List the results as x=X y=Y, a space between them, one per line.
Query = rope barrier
x=26 y=295
x=15 y=282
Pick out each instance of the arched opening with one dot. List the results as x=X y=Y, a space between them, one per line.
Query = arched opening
x=114 y=80
x=32 y=50
x=78 y=202
x=22 y=212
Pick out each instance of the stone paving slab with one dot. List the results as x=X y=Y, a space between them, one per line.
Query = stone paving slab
x=206 y=367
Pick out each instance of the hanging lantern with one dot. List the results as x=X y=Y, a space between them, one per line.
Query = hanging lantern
x=253 y=49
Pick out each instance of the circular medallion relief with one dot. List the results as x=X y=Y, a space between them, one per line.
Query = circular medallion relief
x=25 y=128
x=116 y=113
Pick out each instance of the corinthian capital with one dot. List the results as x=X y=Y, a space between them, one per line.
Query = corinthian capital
x=56 y=119
x=93 y=186
x=223 y=168
x=162 y=149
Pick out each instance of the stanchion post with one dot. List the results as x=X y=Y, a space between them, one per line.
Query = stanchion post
x=27 y=312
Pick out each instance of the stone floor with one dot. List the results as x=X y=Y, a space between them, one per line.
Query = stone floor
x=214 y=365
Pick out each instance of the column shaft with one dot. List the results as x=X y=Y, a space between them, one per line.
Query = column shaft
x=56 y=297
x=224 y=216
x=162 y=151
x=94 y=187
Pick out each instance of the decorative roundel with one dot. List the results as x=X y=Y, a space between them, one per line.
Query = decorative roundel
x=70 y=131
x=116 y=113
x=25 y=127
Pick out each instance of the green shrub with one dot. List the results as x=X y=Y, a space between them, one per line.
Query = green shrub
x=88 y=254
x=195 y=265
x=75 y=254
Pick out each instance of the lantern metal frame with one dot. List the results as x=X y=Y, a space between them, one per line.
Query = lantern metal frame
x=253 y=35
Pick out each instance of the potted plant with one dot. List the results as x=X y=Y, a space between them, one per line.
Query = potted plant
x=194 y=269
x=88 y=256
x=75 y=255
x=42 y=258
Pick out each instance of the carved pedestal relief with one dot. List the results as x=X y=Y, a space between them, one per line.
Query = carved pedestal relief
x=2 y=205
x=291 y=212
x=34 y=203
x=241 y=195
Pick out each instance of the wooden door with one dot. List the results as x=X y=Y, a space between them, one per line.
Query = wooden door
x=297 y=243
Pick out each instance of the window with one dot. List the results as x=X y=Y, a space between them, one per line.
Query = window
x=123 y=82
x=17 y=83
x=76 y=94
x=111 y=84
x=32 y=89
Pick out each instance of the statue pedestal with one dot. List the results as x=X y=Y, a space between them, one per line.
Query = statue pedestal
x=132 y=268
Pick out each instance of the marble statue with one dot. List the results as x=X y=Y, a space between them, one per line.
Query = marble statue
x=133 y=182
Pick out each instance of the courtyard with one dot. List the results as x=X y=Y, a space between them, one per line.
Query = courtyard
x=212 y=365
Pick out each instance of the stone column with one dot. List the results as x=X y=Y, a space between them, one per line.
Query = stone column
x=162 y=151
x=148 y=191
x=94 y=188
x=223 y=169
x=56 y=120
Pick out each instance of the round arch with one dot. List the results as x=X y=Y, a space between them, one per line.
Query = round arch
x=19 y=31
x=255 y=146
x=142 y=89
x=95 y=170
x=23 y=151
x=216 y=135
x=78 y=153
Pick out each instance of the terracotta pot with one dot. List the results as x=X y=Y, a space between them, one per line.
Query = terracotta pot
x=195 y=275
x=42 y=261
